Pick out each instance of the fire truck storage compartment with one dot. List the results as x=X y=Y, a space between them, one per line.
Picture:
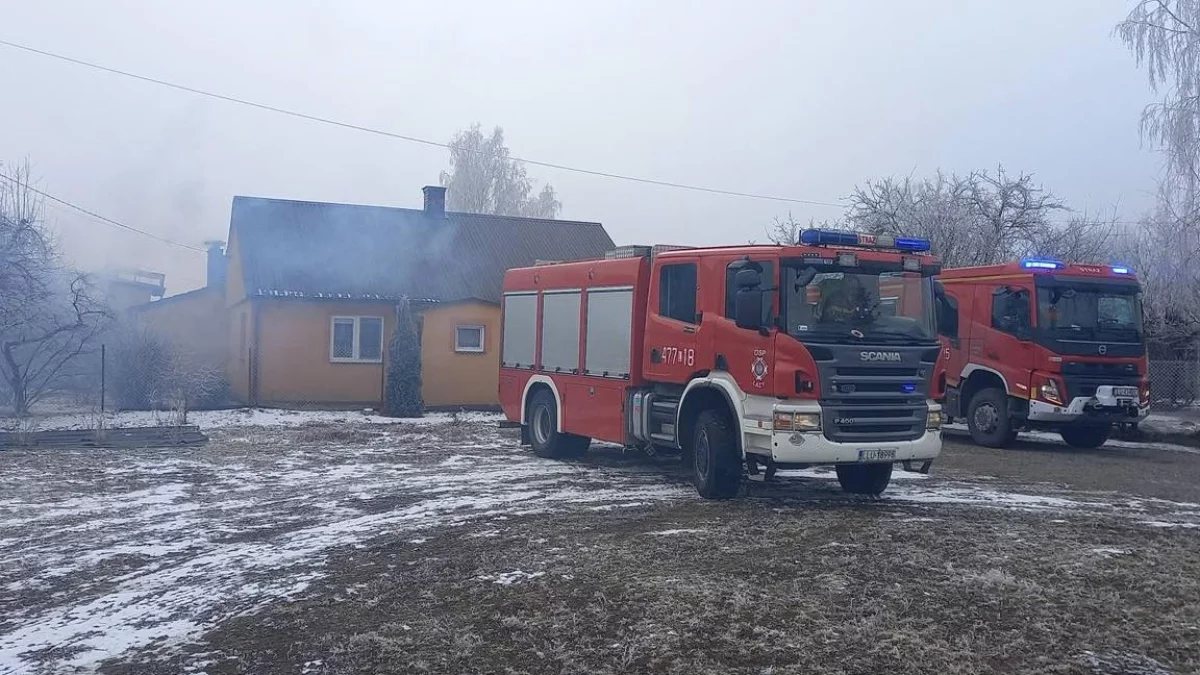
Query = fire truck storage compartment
x=609 y=331
x=520 y=330
x=560 y=330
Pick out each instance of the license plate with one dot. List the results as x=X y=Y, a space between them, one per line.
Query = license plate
x=1125 y=392
x=876 y=454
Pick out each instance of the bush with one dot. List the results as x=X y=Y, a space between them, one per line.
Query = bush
x=403 y=395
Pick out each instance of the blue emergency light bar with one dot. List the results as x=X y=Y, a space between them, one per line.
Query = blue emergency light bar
x=1041 y=264
x=1120 y=270
x=837 y=238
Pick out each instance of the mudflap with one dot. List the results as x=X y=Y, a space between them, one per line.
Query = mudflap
x=507 y=424
x=924 y=468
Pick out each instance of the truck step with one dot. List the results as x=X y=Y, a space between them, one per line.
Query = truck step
x=663 y=438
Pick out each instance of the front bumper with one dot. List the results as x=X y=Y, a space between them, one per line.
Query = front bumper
x=812 y=447
x=1103 y=407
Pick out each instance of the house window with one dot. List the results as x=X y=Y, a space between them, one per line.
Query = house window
x=468 y=339
x=356 y=339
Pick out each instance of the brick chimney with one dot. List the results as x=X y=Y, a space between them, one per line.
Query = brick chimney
x=217 y=264
x=435 y=201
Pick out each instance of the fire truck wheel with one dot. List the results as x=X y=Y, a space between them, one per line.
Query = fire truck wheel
x=1085 y=437
x=544 y=436
x=715 y=466
x=864 y=479
x=987 y=418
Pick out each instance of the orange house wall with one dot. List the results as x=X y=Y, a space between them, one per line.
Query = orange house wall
x=453 y=379
x=293 y=354
x=195 y=324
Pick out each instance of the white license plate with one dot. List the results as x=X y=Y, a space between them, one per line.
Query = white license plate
x=1125 y=392
x=876 y=454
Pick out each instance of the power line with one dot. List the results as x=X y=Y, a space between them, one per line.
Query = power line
x=404 y=137
x=102 y=219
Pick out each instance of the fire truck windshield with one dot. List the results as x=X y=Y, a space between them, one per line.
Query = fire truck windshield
x=1090 y=312
x=855 y=305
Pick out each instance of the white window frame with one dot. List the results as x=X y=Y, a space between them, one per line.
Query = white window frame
x=470 y=350
x=355 y=344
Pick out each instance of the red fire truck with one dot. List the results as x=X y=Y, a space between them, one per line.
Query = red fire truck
x=1040 y=344
x=742 y=358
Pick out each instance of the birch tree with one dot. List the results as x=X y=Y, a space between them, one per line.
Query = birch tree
x=484 y=178
x=1164 y=36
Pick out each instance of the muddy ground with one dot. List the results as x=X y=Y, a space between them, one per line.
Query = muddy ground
x=445 y=548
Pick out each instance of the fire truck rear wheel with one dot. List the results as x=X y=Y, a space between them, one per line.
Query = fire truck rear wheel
x=544 y=436
x=987 y=418
x=864 y=479
x=716 y=469
x=1085 y=437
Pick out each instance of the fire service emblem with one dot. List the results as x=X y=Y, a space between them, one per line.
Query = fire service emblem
x=759 y=367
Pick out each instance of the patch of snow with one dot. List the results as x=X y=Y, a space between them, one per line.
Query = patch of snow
x=1166 y=525
x=241 y=417
x=1110 y=552
x=670 y=533
x=509 y=578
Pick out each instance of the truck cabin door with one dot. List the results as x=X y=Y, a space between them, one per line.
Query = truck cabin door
x=672 y=322
x=1008 y=347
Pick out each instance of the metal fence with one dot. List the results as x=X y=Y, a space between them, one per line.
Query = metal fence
x=1174 y=384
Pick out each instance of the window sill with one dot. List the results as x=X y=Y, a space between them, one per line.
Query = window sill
x=375 y=361
x=468 y=351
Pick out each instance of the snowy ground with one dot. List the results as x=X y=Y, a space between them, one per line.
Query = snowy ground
x=157 y=559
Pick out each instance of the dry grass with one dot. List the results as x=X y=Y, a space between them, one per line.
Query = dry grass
x=753 y=588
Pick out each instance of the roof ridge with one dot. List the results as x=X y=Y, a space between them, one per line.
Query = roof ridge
x=408 y=209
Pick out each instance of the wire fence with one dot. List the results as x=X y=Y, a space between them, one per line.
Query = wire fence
x=1174 y=384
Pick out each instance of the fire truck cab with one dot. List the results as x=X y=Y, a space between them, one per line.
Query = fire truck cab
x=1040 y=344
x=742 y=358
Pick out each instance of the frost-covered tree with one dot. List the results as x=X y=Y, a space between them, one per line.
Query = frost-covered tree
x=1164 y=36
x=50 y=314
x=484 y=178
x=979 y=218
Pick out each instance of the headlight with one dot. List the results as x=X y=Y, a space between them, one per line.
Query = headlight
x=933 y=420
x=808 y=421
x=1049 y=392
x=788 y=421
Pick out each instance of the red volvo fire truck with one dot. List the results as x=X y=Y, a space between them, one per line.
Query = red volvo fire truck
x=1040 y=344
x=742 y=358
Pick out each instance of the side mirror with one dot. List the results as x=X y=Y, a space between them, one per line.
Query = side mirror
x=747 y=278
x=748 y=307
x=939 y=291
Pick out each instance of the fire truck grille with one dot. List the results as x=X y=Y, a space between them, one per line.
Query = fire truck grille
x=869 y=402
x=1082 y=379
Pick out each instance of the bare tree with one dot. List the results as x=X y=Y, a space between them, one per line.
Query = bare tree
x=979 y=218
x=787 y=230
x=49 y=314
x=1164 y=36
x=483 y=178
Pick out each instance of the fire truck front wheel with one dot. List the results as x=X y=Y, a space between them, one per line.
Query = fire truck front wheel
x=987 y=418
x=1085 y=437
x=864 y=479
x=544 y=436
x=716 y=469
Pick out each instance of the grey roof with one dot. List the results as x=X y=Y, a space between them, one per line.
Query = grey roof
x=347 y=251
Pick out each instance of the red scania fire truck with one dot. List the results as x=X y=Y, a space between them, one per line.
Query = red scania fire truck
x=1040 y=344
x=742 y=358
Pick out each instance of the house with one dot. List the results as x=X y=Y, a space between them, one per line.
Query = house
x=310 y=291
x=123 y=289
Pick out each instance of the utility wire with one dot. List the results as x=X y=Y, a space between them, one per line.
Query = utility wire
x=403 y=137
x=102 y=219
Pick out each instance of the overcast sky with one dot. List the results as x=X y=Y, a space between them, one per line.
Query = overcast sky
x=797 y=98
